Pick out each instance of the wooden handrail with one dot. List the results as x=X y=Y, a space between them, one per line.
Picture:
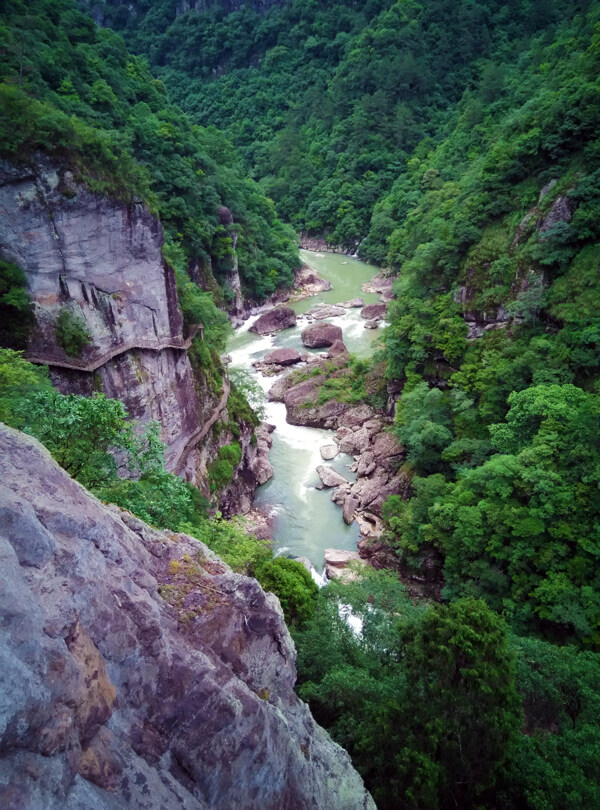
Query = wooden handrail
x=78 y=364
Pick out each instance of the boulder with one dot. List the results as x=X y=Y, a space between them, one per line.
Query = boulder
x=337 y=348
x=282 y=357
x=277 y=391
x=329 y=451
x=355 y=442
x=321 y=335
x=374 y=324
x=322 y=313
x=260 y=464
x=353 y=303
x=356 y=416
x=329 y=477
x=337 y=563
x=373 y=311
x=349 y=508
x=274 y=320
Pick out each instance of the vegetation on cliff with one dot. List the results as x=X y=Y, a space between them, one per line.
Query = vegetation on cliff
x=458 y=144
x=72 y=89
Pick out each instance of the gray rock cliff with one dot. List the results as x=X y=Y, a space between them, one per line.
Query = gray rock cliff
x=101 y=260
x=137 y=671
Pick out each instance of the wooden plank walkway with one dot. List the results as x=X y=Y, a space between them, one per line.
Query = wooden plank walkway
x=78 y=364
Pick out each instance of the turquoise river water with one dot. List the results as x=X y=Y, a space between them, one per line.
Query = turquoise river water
x=306 y=521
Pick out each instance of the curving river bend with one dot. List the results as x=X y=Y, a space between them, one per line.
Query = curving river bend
x=306 y=522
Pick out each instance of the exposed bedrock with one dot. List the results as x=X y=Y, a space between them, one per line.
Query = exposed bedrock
x=96 y=256
x=100 y=259
x=137 y=670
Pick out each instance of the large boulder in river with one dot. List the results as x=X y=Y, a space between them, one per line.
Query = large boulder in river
x=282 y=357
x=320 y=335
x=324 y=312
x=372 y=311
x=274 y=320
x=330 y=477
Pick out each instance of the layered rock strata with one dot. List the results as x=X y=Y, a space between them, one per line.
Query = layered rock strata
x=138 y=671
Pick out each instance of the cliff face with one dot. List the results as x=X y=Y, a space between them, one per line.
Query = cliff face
x=117 y=696
x=100 y=260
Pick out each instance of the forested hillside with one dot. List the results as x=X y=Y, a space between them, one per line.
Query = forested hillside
x=326 y=101
x=454 y=144
x=73 y=90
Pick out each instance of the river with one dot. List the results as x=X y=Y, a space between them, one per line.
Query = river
x=306 y=522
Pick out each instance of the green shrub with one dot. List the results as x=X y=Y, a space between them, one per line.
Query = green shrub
x=292 y=583
x=71 y=332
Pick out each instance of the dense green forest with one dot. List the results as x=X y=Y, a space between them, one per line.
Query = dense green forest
x=73 y=89
x=457 y=145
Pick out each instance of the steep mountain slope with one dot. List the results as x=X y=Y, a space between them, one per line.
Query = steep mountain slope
x=328 y=100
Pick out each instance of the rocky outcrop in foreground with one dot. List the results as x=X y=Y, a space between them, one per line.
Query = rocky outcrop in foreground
x=137 y=670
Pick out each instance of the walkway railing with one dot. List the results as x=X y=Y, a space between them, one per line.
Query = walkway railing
x=79 y=364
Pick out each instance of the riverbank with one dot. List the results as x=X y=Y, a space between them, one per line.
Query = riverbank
x=305 y=520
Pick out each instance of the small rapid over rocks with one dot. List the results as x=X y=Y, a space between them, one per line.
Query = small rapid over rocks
x=305 y=520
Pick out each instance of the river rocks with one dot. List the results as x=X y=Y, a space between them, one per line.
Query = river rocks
x=302 y=407
x=357 y=416
x=321 y=335
x=337 y=562
x=282 y=357
x=138 y=670
x=329 y=477
x=329 y=451
x=373 y=311
x=323 y=312
x=337 y=348
x=374 y=324
x=382 y=285
x=260 y=466
x=274 y=320
x=354 y=303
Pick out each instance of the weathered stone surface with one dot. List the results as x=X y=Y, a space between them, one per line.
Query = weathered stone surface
x=337 y=348
x=349 y=508
x=353 y=303
x=382 y=285
x=372 y=311
x=356 y=416
x=330 y=477
x=260 y=464
x=274 y=321
x=324 y=312
x=96 y=256
x=282 y=357
x=355 y=442
x=329 y=451
x=277 y=391
x=561 y=211
x=321 y=335
x=115 y=696
x=337 y=563
x=101 y=259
